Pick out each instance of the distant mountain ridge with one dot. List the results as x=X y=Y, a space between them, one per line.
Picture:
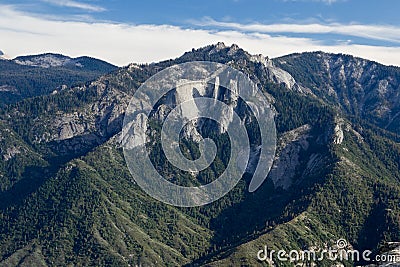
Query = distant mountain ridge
x=48 y=60
x=30 y=76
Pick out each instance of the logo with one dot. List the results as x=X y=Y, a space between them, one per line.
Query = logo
x=341 y=243
x=341 y=251
x=182 y=97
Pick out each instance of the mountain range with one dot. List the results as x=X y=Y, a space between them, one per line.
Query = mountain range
x=30 y=76
x=67 y=197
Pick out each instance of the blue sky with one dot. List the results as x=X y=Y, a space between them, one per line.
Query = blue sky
x=144 y=31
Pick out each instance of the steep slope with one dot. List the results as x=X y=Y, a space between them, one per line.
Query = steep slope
x=30 y=76
x=17 y=157
x=358 y=201
x=361 y=88
x=88 y=215
x=333 y=177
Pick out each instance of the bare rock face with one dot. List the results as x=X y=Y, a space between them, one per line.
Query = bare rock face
x=135 y=135
x=275 y=74
x=278 y=75
x=89 y=125
x=189 y=92
x=11 y=152
x=102 y=118
x=338 y=134
x=338 y=131
x=70 y=125
x=287 y=158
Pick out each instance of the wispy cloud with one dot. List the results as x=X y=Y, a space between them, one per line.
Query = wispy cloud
x=376 y=32
x=75 y=4
x=123 y=43
x=329 y=2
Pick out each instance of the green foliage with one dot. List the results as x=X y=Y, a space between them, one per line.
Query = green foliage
x=86 y=209
x=27 y=81
x=352 y=84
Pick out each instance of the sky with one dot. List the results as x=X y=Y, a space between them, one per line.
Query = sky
x=123 y=32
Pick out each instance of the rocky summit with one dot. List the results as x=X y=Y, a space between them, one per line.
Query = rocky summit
x=68 y=199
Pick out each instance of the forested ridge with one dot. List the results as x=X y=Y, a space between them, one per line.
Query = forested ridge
x=73 y=202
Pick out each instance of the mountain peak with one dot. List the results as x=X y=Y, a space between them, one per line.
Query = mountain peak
x=218 y=52
x=49 y=60
x=220 y=45
x=43 y=60
x=333 y=154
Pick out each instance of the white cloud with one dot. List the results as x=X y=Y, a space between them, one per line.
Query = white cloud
x=329 y=2
x=376 y=32
x=122 y=43
x=75 y=4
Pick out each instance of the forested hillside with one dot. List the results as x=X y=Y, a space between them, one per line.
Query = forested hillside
x=67 y=197
x=31 y=76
